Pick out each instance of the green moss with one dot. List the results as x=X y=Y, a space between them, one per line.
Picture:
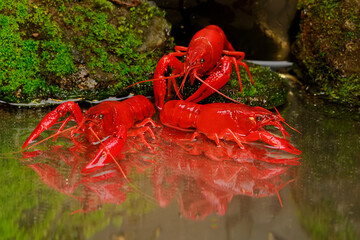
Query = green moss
x=103 y=4
x=57 y=58
x=44 y=42
x=19 y=62
x=270 y=88
x=99 y=38
x=327 y=49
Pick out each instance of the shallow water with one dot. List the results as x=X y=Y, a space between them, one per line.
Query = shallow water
x=173 y=195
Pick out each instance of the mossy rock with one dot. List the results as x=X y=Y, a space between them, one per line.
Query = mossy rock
x=270 y=89
x=89 y=49
x=328 y=49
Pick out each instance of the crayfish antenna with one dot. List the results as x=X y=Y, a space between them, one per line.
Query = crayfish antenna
x=292 y=128
x=280 y=187
x=68 y=119
x=152 y=80
x=279 y=197
x=217 y=91
x=186 y=75
x=238 y=73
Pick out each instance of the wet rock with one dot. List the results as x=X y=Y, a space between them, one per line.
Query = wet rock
x=328 y=49
x=275 y=18
x=156 y=36
x=81 y=80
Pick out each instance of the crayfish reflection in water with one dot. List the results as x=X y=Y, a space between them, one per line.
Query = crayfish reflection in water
x=58 y=167
x=201 y=184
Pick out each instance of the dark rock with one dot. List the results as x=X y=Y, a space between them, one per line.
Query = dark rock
x=328 y=49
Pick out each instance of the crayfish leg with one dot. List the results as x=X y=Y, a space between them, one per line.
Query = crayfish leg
x=237 y=58
x=247 y=70
x=140 y=132
x=238 y=62
x=181 y=50
x=226 y=134
x=146 y=121
x=194 y=136
x=233 y=136
x=161 y=69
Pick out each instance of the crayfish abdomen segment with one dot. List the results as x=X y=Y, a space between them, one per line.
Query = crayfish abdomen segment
x=141 y=107
x=180 y=114
x=215 y=118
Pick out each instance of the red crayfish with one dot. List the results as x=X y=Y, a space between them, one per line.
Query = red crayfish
x=209 y=54
x=227 y=121
x=106 y=124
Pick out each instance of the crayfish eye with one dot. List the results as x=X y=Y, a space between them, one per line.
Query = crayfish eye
x=258 y=119
x=101 y=116
x=202 y=60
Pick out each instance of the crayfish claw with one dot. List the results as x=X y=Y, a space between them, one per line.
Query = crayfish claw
x=52 y=117
x=273 y=141
x=109 y=150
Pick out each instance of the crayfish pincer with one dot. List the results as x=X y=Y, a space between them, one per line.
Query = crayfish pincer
x=228 y=121
x=105 y=124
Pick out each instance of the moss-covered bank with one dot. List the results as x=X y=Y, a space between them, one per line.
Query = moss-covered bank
x=93 y=49
x=328 y=49
x=86 y=49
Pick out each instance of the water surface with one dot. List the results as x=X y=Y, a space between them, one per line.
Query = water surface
x=174 y=196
